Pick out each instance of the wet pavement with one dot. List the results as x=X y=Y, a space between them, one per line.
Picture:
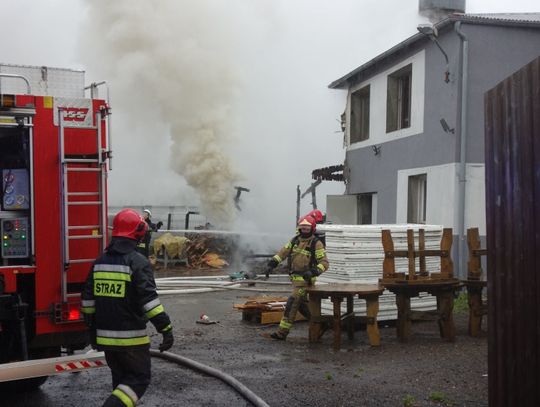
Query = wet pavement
x=291 y=373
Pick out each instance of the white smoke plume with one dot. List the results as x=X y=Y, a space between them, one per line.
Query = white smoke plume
x=164 y=57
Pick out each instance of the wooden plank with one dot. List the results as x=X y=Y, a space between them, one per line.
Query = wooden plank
x=315 y=322
x=372 y=309
x=403 y=325
x=474 y=265
x=410 y=254
x=337 y=323
x=389 y=266
x=447 y=266
x=421 y=249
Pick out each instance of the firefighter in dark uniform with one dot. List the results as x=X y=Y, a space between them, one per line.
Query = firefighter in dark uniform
x=306 y=260
x=143 y=246
x=118 y=299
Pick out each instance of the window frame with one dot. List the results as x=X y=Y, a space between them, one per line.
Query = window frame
x=359 y=126
x=417 y=198
x=399 y=99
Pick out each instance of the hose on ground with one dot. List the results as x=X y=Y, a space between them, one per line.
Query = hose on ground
x=231 y=381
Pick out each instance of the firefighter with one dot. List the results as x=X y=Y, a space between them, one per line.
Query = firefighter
x=118 y=299
x=306 y=259
x=144 y=245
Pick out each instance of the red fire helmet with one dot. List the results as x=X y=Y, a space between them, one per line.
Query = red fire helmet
x=129 y=223
x=308 y=220
x=317 y=215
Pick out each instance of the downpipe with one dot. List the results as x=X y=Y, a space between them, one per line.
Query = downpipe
x=462 y=146
x=224 y=377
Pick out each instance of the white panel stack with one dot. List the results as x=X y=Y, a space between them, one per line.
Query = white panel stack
x=356 y=255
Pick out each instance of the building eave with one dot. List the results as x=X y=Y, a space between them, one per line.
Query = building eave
x=479 y=19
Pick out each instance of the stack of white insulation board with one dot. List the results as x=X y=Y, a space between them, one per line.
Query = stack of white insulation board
x=356 y=255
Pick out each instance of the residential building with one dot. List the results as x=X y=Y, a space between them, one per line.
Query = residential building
x=414 y=122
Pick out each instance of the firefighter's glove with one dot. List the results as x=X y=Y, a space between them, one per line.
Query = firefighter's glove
x=159 y=225
x=307 y=276
x=168 y=340
x=272 y=264
x=315 y=272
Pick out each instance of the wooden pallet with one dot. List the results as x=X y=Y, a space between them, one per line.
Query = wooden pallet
x=264 y=309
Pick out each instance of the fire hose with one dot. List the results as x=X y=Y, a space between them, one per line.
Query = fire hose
x=231 y=381
x=179 y=285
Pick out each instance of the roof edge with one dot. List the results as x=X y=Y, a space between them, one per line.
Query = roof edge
x=464 y=18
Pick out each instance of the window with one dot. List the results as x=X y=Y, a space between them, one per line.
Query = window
x=398 y=99
x=367 y=206
x=416 y=201
x=360 y=115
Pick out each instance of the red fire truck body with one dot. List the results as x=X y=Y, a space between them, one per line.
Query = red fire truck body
x=54 y=154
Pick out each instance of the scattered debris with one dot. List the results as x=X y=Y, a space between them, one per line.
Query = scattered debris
x=205 y=320
x=264 y=309
x=208 y=250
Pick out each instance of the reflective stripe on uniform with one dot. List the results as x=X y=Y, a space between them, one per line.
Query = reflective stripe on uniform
x=302 y=251
x=122 y=338
x=143 y=340
x=88 y=303
x=296 y=277
x=88 y=310
x=167 y=328
x=121 y=334
x=285 y=325
x=153 y=312
x=151 y=304
x=124 y=398
x=277 y=258
x=129 y=392
x=320 y=267
x=116 y=276
x=117 y=268
x=319 y=253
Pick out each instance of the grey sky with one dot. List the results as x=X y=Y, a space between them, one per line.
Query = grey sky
x=283 y=54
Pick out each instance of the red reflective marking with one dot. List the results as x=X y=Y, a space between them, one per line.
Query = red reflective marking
x=75 y=114
x=85 y=363
x=72 y=365
x=59 y=368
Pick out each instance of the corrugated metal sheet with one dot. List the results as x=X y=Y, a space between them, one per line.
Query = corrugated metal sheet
x=512 y=112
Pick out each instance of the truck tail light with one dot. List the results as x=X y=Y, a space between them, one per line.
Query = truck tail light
x=74 y=315
x=67 y=312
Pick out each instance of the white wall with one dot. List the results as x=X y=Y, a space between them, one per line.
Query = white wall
x=442 y=196
x=377 y=104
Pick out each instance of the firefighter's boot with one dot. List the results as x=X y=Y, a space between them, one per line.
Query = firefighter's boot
x=279 y=335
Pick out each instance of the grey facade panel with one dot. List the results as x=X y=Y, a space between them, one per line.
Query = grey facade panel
x=495 y=52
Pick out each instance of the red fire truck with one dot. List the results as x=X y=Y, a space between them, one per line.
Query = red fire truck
x=54 y=158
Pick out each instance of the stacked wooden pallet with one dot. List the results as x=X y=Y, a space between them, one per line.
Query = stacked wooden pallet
x=264 y=309
x=356 y=255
